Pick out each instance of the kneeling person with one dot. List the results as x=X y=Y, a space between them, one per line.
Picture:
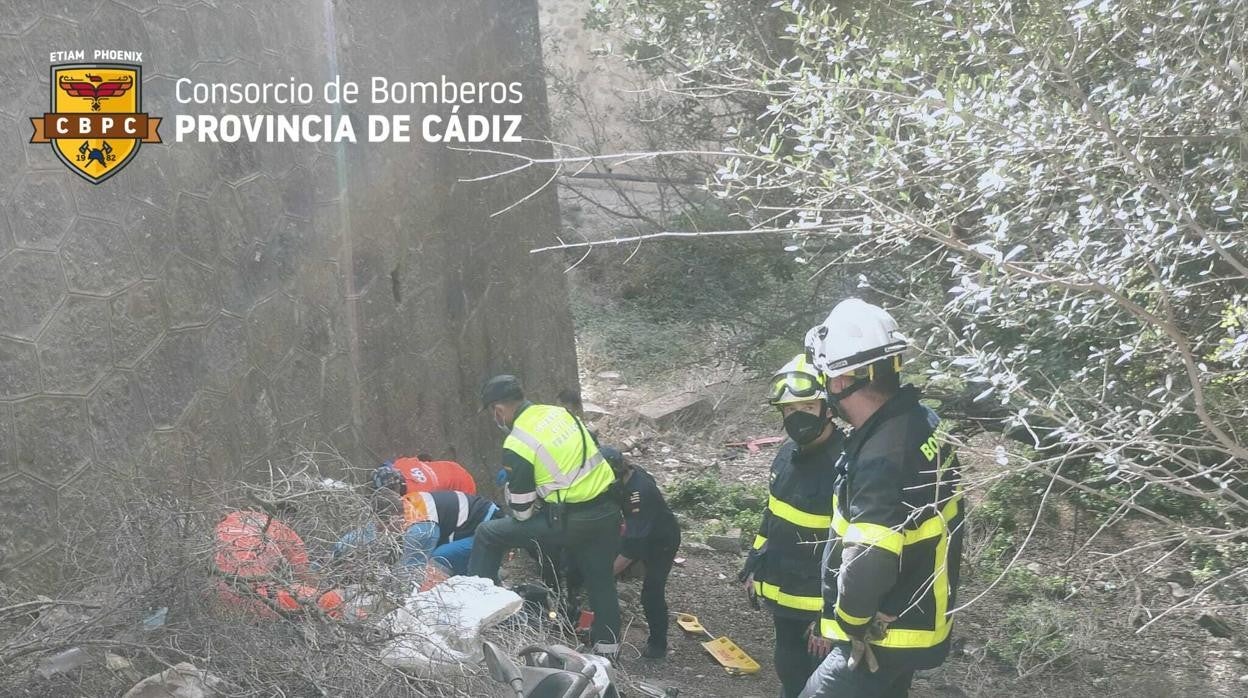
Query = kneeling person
x=434 y=526
x=417 y=474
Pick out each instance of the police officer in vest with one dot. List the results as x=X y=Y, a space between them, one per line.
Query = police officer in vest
x=560 y=491
x=785 y=563
x=891 y=568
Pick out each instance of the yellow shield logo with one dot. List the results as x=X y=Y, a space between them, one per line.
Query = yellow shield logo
x=96 y=124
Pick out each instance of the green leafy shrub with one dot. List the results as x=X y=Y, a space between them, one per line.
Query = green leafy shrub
x=735 y=505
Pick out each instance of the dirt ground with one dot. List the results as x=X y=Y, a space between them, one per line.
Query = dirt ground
x=1173 y=657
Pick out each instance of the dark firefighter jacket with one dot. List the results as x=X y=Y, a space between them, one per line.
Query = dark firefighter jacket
x=897 y=532
x=788 y=550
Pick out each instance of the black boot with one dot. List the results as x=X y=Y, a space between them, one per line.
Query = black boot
x=654 y=651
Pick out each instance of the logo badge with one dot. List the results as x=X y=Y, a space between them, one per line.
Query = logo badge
x=96 y=123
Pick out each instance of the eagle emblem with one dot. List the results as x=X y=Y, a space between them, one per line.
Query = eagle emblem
x=96 y=122
x=95 y=87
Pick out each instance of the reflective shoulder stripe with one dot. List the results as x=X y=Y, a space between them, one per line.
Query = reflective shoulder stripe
x=937 y=524
x=801 y=603
x=539 y=450
x=874 y=535
x=796 y=516
x=559 y=479
x=759 y=541
x=462 y=517
x=524 y=498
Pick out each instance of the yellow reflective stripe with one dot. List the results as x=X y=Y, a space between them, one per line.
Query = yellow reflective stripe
x=906 y=638
x=831 y=629
x=900 y=638
x=874 y=535
x=801 y=603
x=796 y=516
x=935 y=525
x=759 y=541
x=839 y=523
x=852 y=620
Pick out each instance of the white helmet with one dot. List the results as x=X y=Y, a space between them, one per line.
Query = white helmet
x=798 y=381
x=855 y=335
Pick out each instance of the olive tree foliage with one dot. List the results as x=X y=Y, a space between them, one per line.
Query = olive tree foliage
x=1049 y=195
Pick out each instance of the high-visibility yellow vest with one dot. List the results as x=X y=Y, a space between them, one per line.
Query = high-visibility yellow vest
x=567 y=465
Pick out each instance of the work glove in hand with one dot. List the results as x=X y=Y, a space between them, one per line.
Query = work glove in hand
x=860 y=647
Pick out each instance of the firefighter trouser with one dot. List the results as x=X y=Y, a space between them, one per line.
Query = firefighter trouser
x=834 y=679
x=794 y=663
x=589 y=538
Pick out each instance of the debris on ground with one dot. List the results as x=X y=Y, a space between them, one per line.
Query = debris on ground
x=679 y=409
x=439 y=630
x=755 y=445
x=1215 y=624
x=62 y=662
x=183 y=680
x=727 y=542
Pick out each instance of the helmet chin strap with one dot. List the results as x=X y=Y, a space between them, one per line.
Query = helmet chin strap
x=849 y=390
x=834 y=399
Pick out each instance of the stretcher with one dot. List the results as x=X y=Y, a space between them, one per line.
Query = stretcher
x=725 y=651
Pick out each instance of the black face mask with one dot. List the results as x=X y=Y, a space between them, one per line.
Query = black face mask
x=804 y=427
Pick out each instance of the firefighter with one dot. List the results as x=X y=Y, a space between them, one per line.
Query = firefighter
x=785 y=563
x=561 y=493
x=890 y=574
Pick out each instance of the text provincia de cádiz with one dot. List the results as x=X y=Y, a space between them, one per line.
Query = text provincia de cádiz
x=449 y=127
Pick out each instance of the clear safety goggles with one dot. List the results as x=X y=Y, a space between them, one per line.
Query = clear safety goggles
x=799 y=385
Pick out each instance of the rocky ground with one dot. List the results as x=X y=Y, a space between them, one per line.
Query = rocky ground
x=1098 y=596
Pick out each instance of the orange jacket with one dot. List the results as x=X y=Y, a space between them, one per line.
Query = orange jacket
x=421 y=476
x=258 y=555
x=249 y=545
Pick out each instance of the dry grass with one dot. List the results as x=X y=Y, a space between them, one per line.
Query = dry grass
x=136 y=550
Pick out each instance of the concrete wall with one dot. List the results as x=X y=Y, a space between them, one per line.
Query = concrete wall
x=215 y=306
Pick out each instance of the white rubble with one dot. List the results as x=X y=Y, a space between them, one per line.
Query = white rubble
x=440 y=630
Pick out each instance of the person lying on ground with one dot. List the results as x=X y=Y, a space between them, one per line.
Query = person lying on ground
x=262 y=567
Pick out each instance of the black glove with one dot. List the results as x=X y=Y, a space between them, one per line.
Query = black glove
x=752 y=562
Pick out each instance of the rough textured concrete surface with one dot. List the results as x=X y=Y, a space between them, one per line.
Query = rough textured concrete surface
x=215 y=306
